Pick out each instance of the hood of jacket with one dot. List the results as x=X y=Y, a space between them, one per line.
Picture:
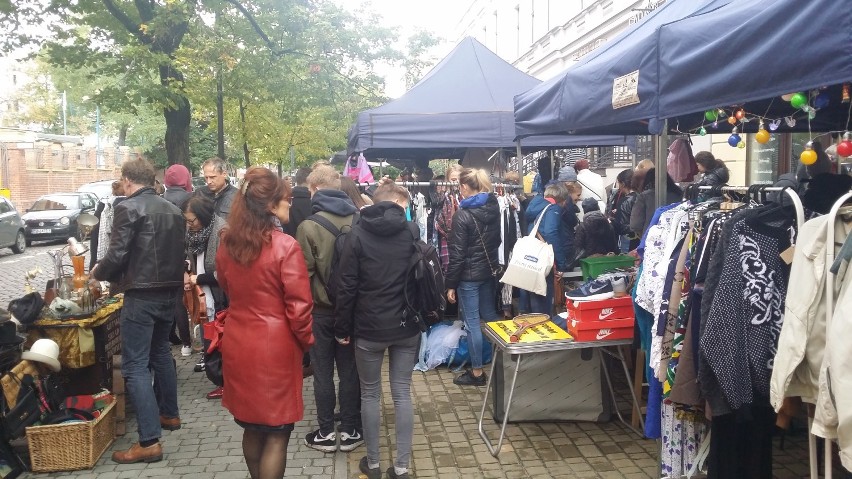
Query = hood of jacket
x=722 y=173
x=482 y=206
x=385 y=218
x=301 y=192
x=335 y=202
x=177 y=176
x=536 y=206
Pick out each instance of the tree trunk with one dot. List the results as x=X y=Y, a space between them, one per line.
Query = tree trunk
x=220 y=115
x=122 y=135
x=243 y=128
x=177 y=120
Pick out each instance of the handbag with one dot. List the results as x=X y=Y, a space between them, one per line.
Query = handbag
x=531 y=262
x=495 y=271
x=26 y=411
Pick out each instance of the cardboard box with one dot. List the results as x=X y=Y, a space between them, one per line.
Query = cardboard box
x=601 y=310
x=601 y=330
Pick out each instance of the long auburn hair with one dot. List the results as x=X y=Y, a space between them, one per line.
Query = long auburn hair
x=249 y=223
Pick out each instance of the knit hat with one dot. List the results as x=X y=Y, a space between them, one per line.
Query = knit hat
x=567 y=173
x=581 y=165
x=177 y=175
x=590 y=204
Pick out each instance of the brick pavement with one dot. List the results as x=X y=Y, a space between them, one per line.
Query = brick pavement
x=446 y=442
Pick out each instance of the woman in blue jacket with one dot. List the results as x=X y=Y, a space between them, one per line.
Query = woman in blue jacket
x=552 y=231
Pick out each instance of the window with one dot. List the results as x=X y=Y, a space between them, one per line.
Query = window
x=4 y=207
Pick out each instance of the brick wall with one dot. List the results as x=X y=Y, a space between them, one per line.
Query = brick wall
x=30 y=171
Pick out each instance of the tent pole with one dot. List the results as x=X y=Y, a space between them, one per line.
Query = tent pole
x=661 y=147
x=520 y=157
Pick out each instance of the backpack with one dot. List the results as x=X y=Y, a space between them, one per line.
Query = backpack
x=339 y=238
x=424 y=289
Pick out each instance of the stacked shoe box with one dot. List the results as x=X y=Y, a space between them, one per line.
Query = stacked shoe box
x=600 y=320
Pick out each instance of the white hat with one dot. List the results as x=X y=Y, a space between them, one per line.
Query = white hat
x=44 y=351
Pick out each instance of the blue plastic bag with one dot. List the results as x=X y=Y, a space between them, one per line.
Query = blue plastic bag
x=461 y=357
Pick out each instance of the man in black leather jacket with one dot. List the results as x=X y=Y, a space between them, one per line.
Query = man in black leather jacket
x=145 y=262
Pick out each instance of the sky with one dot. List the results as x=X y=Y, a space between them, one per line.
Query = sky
x=441 y=17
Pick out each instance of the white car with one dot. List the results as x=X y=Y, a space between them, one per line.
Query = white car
x=101 y=189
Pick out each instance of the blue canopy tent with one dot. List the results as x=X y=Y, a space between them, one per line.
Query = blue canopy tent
x=465 y=101
x=581 y=99
x=750 y=53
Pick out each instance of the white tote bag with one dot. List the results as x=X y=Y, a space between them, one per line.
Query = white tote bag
x=531 y=262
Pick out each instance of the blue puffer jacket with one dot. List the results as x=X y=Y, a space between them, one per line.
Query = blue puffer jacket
x=550 y=229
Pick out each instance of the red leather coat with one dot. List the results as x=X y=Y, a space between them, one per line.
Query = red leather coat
x=267 y=330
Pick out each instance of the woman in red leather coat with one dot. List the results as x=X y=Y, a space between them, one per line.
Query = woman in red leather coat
x=268 y=324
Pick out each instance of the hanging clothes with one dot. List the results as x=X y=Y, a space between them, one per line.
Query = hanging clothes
x=358 y=169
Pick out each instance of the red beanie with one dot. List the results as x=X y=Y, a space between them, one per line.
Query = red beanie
x=177 y=175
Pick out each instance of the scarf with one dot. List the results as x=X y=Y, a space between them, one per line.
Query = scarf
x=196 y=241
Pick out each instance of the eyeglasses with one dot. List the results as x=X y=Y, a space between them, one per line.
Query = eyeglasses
x=191 y=221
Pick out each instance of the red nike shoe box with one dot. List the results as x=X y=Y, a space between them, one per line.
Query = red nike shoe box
x=608 y=330
x=601 y=310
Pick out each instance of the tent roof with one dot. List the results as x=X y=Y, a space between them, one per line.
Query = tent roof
x=465 y=101
x=749 y=53
x=580 y=99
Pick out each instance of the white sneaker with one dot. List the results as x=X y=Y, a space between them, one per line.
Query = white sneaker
x=186 y=351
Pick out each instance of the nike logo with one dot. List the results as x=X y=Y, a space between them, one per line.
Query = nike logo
x=603 y=334
x=605 y=313
x=593 y=289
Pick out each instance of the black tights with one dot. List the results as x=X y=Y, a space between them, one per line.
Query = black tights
x=265 y=453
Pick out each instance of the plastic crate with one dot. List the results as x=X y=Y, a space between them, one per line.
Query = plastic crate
x=592 y=267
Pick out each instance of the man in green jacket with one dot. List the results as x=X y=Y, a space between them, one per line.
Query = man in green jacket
x=333 y=205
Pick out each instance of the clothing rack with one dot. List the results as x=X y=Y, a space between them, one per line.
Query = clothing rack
x=406 y=184
x=759 y=190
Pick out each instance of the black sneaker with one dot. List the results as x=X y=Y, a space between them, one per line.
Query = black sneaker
x=392 y=472
x=468 y=379
x=349 y=442
x=316 y=440
x=370 y=473
x=199 y=366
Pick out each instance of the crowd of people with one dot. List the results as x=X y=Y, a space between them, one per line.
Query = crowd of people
x=309 y=280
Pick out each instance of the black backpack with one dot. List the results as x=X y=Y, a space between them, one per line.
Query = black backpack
x=424 y=289
x=339 y=238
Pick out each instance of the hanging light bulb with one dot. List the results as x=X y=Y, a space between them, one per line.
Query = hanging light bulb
x=740 y=114
x=710 y=115
x=809 y=156
x=702 y=131
x=732 y=120
x=762 y=136
x=734 y=139
x=844 y=93
x=741 y=144
x=798 y=100
x=774 y=124
x=844 y=148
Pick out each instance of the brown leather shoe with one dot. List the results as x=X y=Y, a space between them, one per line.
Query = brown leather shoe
x=137 y=453
x=170 y=423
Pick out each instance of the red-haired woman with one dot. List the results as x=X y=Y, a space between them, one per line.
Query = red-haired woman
x=268 y=326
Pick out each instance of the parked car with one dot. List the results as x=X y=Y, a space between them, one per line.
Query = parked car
x=54 y=216
x=101 y=189
x=11 y=227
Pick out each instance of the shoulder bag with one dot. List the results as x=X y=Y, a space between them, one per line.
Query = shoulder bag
x=496 y=270
x=531 y=262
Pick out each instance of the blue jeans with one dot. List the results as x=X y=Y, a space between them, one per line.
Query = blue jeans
x=146 y=321
x=477 y=301
x=530 y=302
x=624 y=244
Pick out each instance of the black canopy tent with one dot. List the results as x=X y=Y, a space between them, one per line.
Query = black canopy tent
x=465 y=101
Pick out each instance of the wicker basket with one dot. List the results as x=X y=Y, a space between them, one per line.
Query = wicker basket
x=72 y=446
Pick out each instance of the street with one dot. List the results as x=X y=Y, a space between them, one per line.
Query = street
x=13 y=268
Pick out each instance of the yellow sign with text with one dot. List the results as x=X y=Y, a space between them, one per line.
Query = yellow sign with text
x=546 y=331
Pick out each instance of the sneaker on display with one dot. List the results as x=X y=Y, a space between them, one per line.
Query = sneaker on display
x=349 y=442
x=594 y=289
x=316 y=440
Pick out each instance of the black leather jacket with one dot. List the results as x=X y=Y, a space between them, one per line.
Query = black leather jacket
x=146 y=248
x=468 y=258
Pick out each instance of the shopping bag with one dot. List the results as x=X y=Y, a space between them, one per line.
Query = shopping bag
x=530 y=262
x=214 y=331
